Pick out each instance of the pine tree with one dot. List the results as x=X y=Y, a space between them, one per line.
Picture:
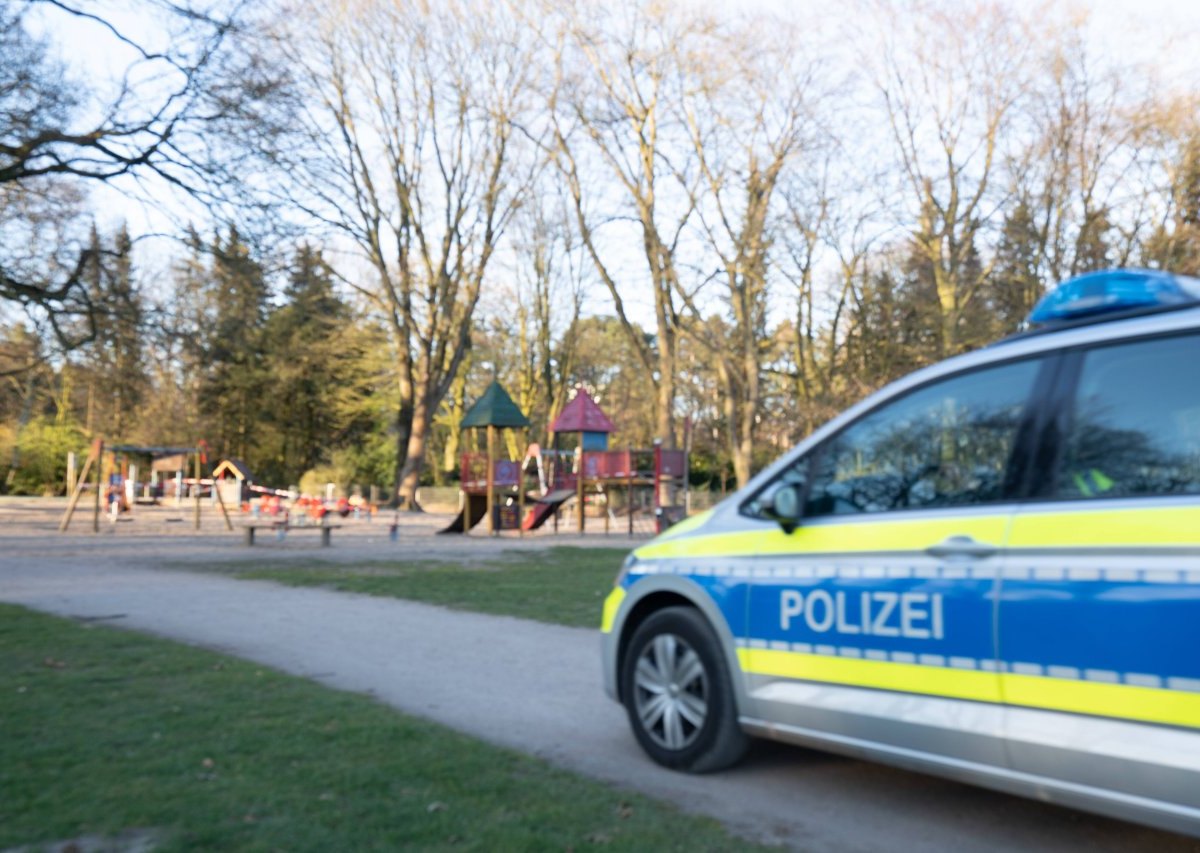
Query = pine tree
x=1092 y=249
x=231 y=394
x=114 y=360
x=1015 y=285
x=311 y=354
x=126 y=327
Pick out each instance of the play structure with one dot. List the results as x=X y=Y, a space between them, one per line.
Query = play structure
x=578 y=467
x=491 y=488
x=117 y=488
x=123 y=477
x=619 y=482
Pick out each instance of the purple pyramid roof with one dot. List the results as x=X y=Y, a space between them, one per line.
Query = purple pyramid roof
x=582 y=415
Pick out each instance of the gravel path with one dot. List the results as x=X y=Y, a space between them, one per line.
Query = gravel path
x=524 y=685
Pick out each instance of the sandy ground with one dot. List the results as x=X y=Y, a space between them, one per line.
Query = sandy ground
x=170 y=532
x=521 y=684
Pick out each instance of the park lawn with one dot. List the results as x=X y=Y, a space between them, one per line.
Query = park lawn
x=562 y=585
x=104 y=732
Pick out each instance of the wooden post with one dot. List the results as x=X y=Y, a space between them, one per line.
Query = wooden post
x=221 y=503
x=71 y=478
x=579 y=486
x=491 y=480
x=687 y=467
x=521 y=500
x=658 y=518
x=127 y=481
x=99 y=475
x=629 y=488
x=554 y=477
x=196 y=493
x=80 y=482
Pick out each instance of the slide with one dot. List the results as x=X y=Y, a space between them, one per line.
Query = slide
x=478 y=506
x=545 y=507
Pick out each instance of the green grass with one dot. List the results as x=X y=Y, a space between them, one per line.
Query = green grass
x=104 y=731
x=563 y=585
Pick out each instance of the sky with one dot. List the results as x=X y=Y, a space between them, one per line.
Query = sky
x=1160 y=33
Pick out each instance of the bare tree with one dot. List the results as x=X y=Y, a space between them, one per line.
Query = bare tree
x=613 y=141
x=1083 y=177
x=830 y=231
x=949 y=79
x=749 y=117
x=158 y=126
x=549 y=280
x=1174 y=242
x=407 y=152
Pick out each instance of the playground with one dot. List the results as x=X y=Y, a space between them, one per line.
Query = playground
x=576 y=486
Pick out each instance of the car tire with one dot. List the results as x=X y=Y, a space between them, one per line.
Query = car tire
x=678 y=693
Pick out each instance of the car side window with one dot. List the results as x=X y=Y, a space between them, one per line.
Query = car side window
x=1135 y=425
x=944 y=445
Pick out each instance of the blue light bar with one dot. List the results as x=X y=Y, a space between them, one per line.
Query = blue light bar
x=1113 y=291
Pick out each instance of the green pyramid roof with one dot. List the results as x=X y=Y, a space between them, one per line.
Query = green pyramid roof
x=494 y=408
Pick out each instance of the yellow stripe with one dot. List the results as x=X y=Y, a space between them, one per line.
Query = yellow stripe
x=1099 y=527
x=1107 y=527
x=865 y=534
x=1145 y=704
x=1149 y=704
x=611 y=605
x=904 y=677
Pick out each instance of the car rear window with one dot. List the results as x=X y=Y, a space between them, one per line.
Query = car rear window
x=1135 y=424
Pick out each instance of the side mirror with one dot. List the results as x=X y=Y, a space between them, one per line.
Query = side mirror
x=786 y=507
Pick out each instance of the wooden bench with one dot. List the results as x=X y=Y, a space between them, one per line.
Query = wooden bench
x=284 y=527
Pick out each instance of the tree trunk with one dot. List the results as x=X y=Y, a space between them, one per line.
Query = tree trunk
x=743 y=459
x=947 y=299
x=404 y=430
x=450 y=452
x=665 y=414
x=736 y=414
x=414 y=462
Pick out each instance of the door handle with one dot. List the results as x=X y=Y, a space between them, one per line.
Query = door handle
x=961 y=548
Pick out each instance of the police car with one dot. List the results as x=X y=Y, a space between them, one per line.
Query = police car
x=989 y=570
